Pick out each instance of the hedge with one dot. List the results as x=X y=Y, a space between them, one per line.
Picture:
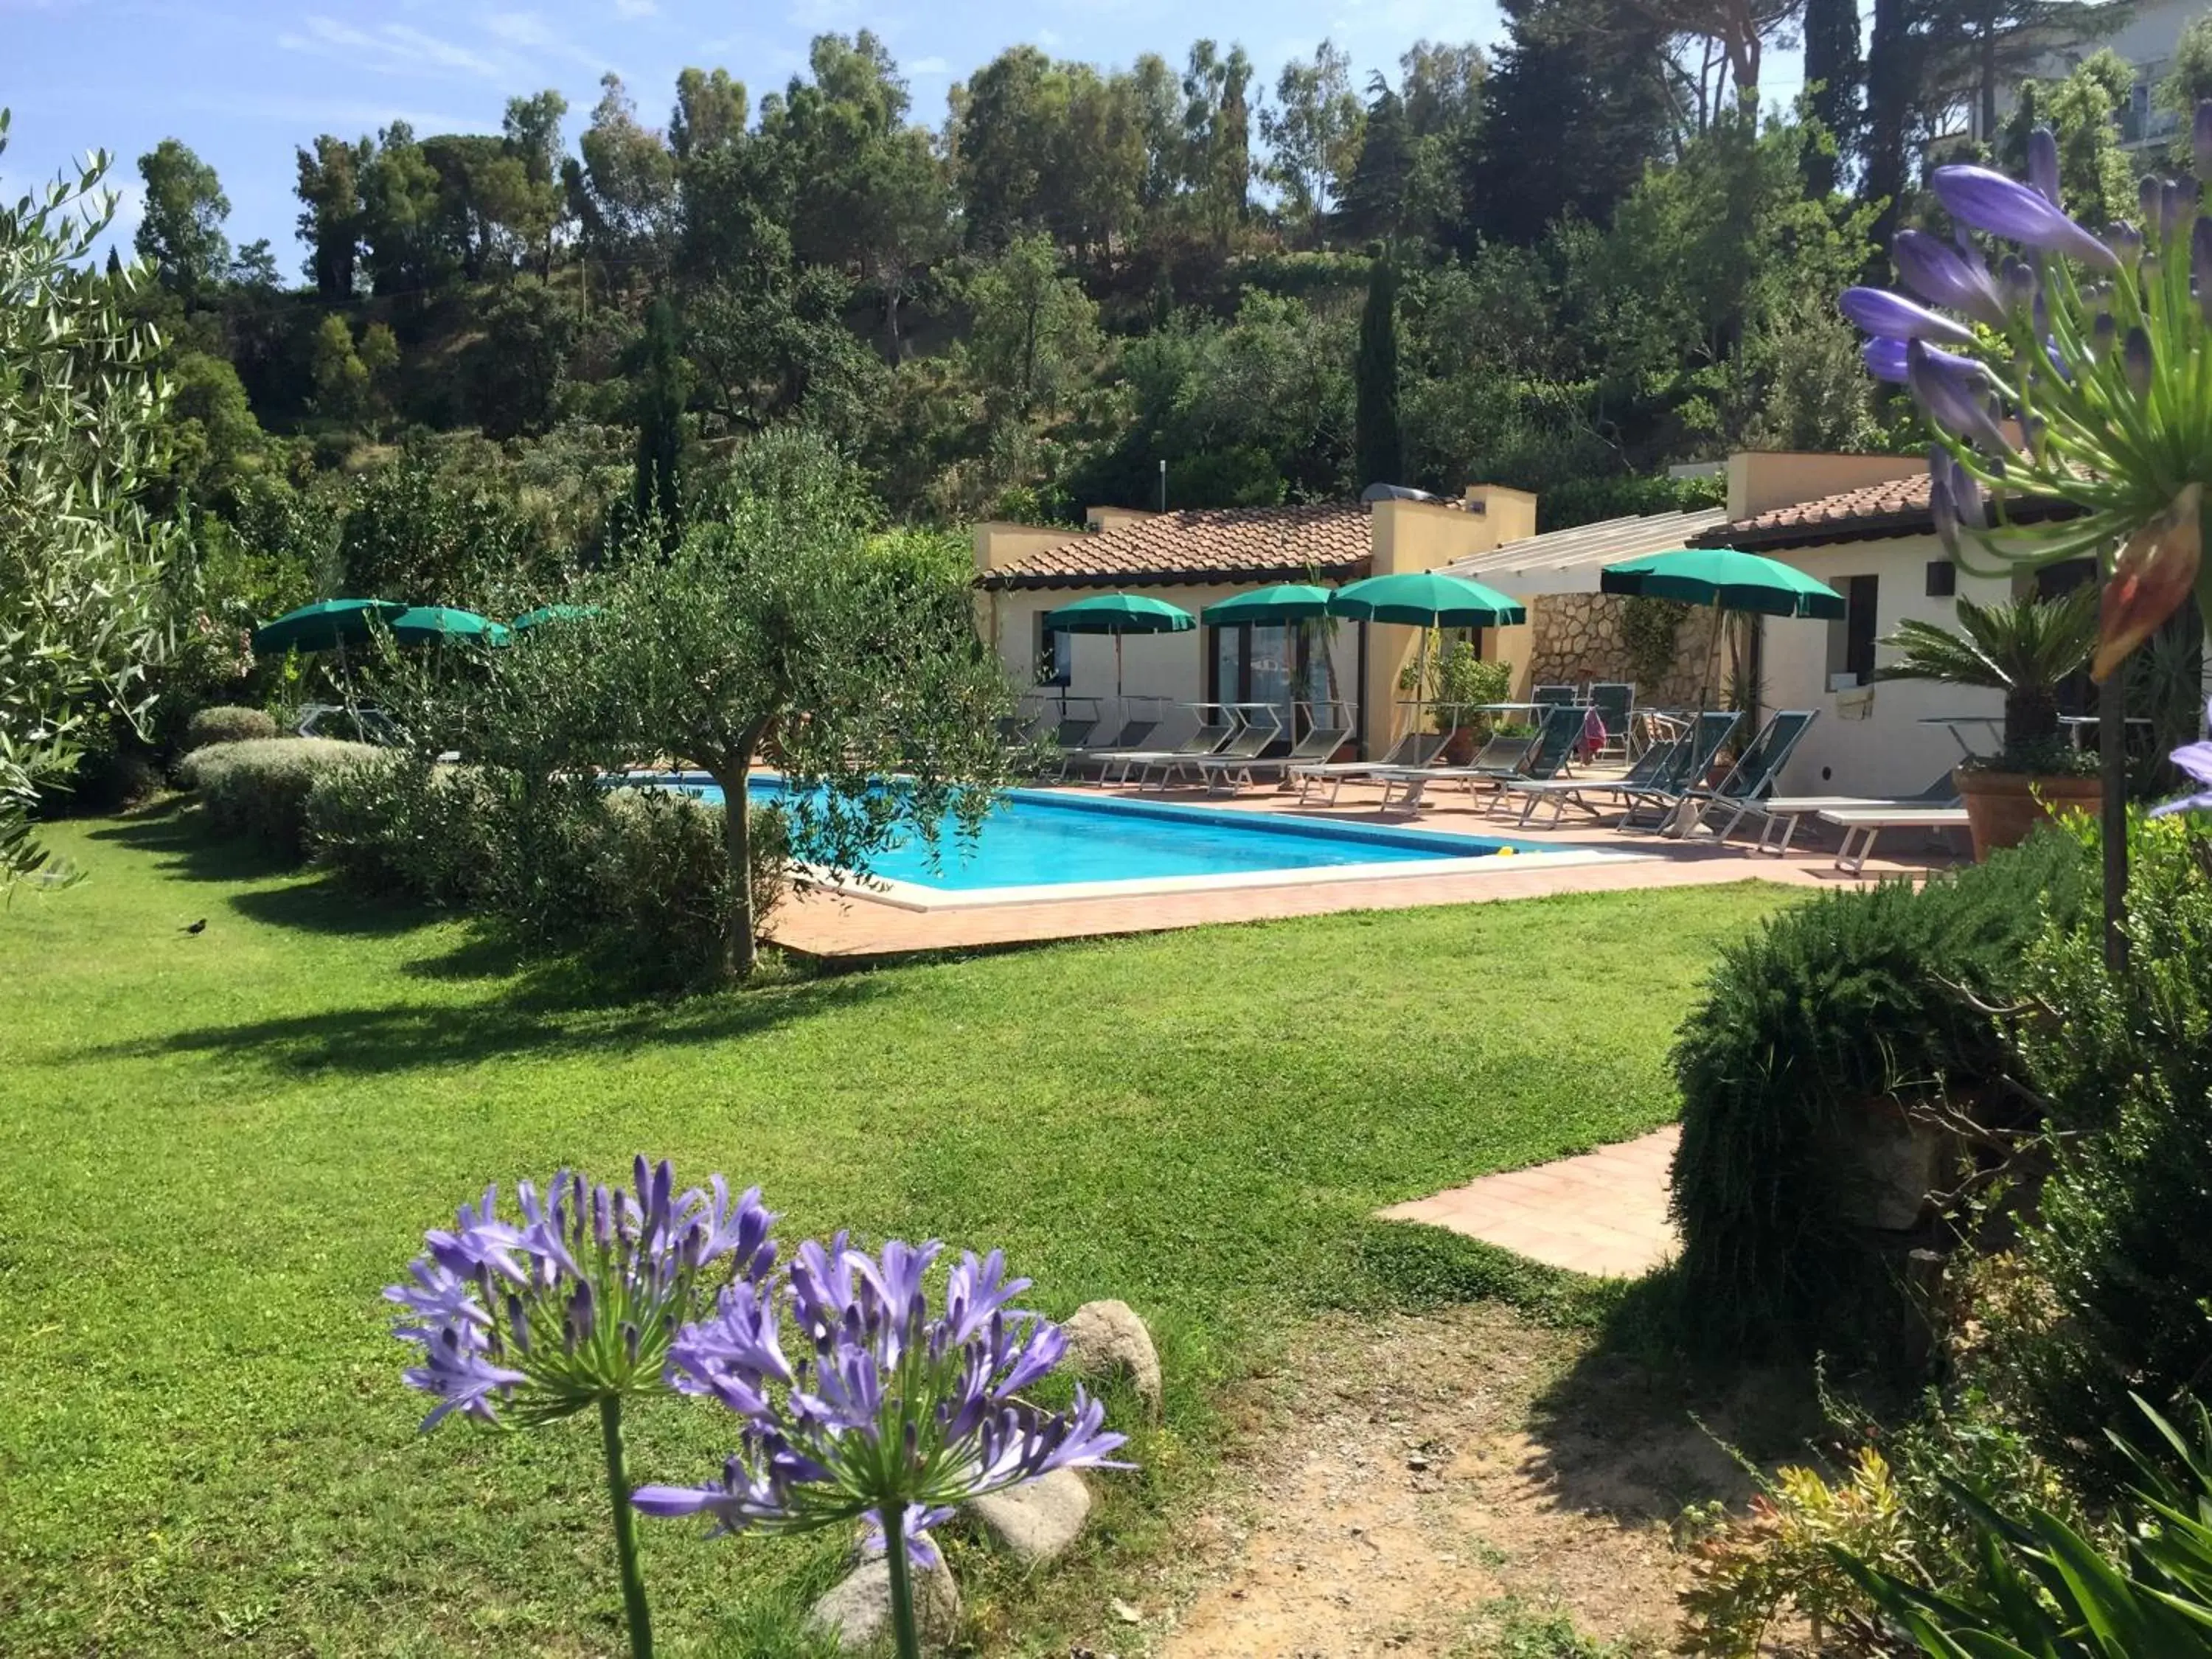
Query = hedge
x=258 y=789
x=227 y=723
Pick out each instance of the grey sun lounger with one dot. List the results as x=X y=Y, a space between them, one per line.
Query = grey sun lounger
x=1786 y=812
x=1224 y=771
x=1245 y=745
x=1658 y=799
x=1749 y=782
x=1207 y=739
x=1650 y=770
x=1544 y=755
x=1415 y=749
x=1133 y=736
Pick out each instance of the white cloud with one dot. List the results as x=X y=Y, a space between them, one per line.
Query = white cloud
x=932 y=65
x=531 y=32
x=1049 y=38
x=392 y=49
x=636 y=8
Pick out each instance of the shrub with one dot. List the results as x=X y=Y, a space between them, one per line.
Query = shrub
x=392 y=824
x=658 y=882
x=2120 y=1249
x=637 y=875
x=225 y=723
x=2041 y=1585
x=1852 y=1000
x=259 y=788
x=1783 y=1555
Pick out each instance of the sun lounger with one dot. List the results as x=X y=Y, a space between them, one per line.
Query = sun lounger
x=1865 y=822
x=1786 y=812
x=1244 y=745
x=1133 y=735
x=1207 y=739
x=1225 y=772
x=1657 y=800
x=1546 y=756
x=1749 y=782
x=1615 y=702
x=1649 y=770
x=1415 y=749
x=1499 y=757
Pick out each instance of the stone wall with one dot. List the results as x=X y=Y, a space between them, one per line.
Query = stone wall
x=1575 y=638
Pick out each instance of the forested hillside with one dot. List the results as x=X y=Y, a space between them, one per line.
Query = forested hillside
x=1583 y=255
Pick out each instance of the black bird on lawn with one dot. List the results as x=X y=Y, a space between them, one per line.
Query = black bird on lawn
x=199 y=927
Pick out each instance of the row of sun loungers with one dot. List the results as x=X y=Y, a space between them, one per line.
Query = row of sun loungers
x=1663 y=790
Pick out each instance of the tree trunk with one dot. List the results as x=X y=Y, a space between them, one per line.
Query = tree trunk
x=733 y=775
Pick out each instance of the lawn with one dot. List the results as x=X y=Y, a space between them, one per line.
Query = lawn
x=214 y=1149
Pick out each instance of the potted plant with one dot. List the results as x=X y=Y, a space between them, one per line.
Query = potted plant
x=1463 y=681
x=2025 y=648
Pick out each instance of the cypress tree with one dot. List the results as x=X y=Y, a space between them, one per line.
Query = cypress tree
x=657 y=488
x=1834 y=70
x=1377 y=456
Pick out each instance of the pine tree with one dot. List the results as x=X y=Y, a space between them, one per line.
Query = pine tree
x=1377 y=439
x=657 y=488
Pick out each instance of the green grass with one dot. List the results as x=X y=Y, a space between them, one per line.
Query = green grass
x=215 y=1150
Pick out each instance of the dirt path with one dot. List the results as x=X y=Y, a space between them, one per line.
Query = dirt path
x=1463 y=1485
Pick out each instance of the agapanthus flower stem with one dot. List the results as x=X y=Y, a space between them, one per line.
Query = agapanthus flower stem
x=905 y=1633
x=640 y=1618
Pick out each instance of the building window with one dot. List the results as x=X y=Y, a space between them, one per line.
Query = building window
x=1942 y=579
x=1851 y=638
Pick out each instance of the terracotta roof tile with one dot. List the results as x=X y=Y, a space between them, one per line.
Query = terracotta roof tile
x=1204 y=544
x=1896 y=507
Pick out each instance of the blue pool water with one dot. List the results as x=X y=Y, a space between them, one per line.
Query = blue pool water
x=1037 y=839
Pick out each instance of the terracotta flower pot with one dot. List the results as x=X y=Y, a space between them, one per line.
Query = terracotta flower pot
x=2002 y=807
x=1459 y=745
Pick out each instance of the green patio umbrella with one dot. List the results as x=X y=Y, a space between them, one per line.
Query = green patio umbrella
x=1427 y=598
x=326 y=625
x=546 y=613
x=427 y=624
x=1119 y=613
x=1724 y=578
x=1269 y=607
x=1726 y=581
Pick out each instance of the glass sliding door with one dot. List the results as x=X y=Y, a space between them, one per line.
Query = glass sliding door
x=1280 y=665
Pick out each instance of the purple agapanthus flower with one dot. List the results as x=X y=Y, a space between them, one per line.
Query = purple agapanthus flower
x=1893 y=317
x=889 y=1406
x=1944 y=276
x=579 y=1299
x=2195 y=759
x=1989 y=201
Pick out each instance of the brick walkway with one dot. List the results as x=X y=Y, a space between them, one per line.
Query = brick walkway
x=1603 y=1214
x=852 y=929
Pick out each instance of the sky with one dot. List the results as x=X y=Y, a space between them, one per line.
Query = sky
x=244 y=81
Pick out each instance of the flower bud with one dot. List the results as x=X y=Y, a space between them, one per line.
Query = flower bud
x=2043 y=164
x=2154 y=575
x=2135 y=361
x=1939 y=499
x=2126 y=241
x=2174 y=204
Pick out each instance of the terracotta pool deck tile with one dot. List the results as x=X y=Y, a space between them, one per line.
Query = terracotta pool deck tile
x=1602 y=1213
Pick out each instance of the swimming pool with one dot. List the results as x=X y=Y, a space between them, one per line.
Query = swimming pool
x=1052 y=844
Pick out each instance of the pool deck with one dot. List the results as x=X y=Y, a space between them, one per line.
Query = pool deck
x=852 y=931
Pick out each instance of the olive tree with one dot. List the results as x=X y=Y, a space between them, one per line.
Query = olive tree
x=780 y=630
x=82 y=415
